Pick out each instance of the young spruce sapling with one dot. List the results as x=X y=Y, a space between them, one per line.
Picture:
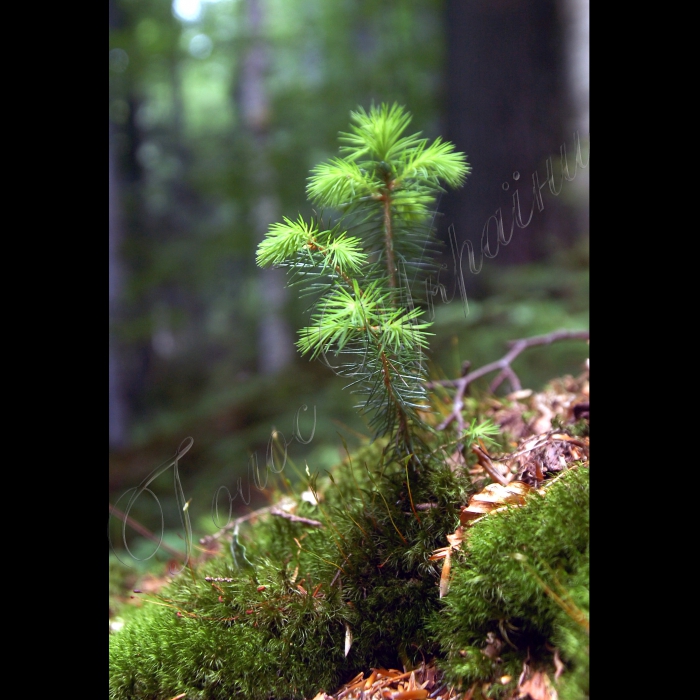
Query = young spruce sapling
x=384 y=186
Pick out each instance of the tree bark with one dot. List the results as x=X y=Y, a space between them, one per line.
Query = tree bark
x=275 y=344
x=508 y=109
x=118 y=410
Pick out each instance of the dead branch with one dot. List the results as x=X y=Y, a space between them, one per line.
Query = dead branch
x=235 y=523
x=272 y=510
x=506 y=371
x=294 y=518
x=490 y=468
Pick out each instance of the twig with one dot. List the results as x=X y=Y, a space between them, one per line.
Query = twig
x=235 y=523
x=340 y=568
x=426 y=506
x=294 y=518
x=272 y=510
x=488 y=466
x=506 y=372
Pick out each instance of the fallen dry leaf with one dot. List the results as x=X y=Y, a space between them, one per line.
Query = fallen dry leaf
x=445 y=575
x=392 y=684
x=455 y=540
x=494 y=497
x=348 y=639
x=558 y=665
x=566 y=398
x=539 y=687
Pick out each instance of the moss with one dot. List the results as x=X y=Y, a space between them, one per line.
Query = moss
x=229 y=639
x=278 y=629
x=573 y=640
x=520 y=585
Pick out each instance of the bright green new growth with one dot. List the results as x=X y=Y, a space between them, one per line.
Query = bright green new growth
x=385 y=186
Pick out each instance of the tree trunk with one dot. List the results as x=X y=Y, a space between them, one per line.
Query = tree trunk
x=508 y=107
x=275 y=344
x=118 y=411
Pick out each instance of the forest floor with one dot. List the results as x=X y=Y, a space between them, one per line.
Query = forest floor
x=540 y=450
x=547 y=431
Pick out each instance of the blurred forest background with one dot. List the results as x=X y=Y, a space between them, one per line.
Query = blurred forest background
x=217 y=112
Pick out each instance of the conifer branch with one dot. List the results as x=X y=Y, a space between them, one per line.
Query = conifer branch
x=388 y=239
x=384 y=185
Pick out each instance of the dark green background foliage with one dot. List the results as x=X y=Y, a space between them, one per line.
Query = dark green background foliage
x=198 y=174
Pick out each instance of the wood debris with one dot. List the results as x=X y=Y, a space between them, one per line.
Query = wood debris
x=540 y=456
x=538 y=687
x=524 y=414
x=391 y=684
x=540 y=450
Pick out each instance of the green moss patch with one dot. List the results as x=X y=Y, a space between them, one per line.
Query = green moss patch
x=519 y=591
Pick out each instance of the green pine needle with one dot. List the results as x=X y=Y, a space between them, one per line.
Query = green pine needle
x=384 y=184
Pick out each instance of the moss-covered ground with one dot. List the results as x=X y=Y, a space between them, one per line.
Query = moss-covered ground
x=342 y=578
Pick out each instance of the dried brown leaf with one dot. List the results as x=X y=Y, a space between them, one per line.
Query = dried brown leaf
x=494 y=497
x=445 y=575
x=455 y=540
x=558 y=665
x=539 y=687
